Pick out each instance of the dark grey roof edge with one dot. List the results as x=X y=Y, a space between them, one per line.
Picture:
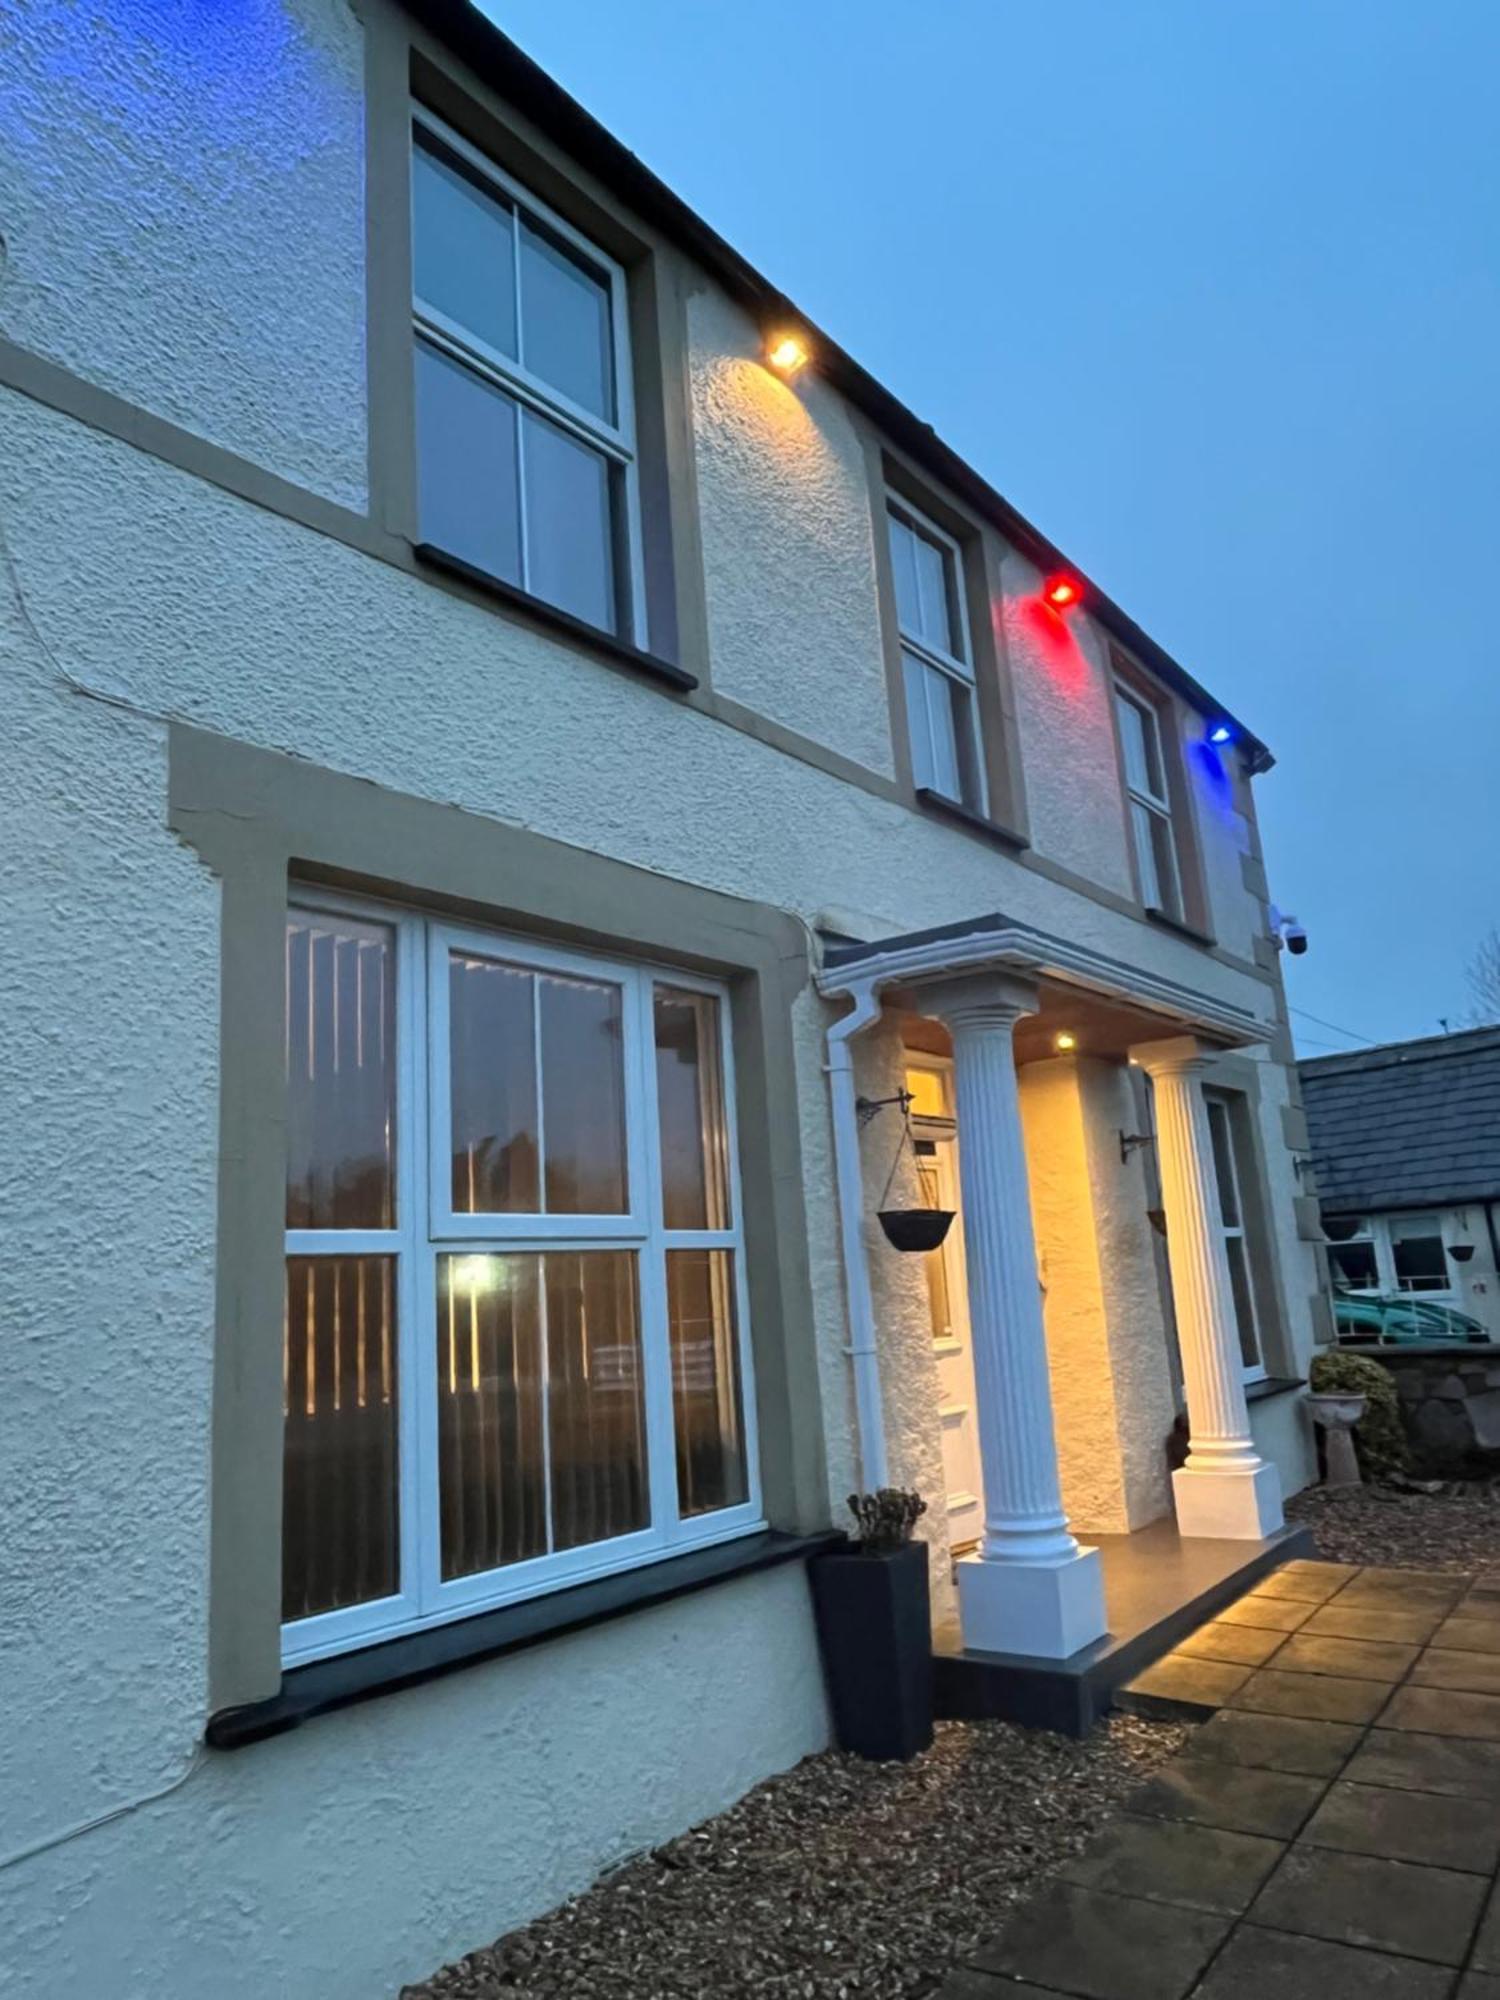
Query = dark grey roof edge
x=496 y=58
x=1391 y=1055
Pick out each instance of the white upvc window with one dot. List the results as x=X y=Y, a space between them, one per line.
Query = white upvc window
x=937 y=658
x=1390 y=1254
x=515 y=1349
x=1233 y=1232
x=1152 y=833
x=526 y=454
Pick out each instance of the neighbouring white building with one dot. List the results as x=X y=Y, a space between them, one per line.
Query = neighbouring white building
x=498 y=762
x=1406 y=1148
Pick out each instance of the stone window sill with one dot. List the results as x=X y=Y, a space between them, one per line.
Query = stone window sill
x=1273 y=1385
x=1178 y=928
x=540 y=612
x=324 y=1685
x=943 y=807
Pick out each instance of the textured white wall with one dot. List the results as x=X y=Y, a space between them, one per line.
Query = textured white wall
x=183 y=220
x=182 y=208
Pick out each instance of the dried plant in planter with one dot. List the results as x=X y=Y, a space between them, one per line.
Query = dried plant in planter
x=886 y=1518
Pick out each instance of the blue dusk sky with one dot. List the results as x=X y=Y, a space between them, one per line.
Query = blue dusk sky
x=1211 y=291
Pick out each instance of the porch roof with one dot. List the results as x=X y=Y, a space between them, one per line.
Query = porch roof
x=1000 y=943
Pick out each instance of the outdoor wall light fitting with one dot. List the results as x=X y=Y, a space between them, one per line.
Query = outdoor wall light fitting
x=1221 y=733
x=1064 y=1041
x=1062 y=591
x=787 y=353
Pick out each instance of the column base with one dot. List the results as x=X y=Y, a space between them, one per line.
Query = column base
x=1228 y=1506
x=1046 y=1610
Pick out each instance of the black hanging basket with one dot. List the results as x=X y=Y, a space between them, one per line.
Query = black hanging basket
x=1460 y=1252
x=915 y=1228
x=1340 y=1228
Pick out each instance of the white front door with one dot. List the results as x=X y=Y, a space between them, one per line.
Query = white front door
x=948 y=1299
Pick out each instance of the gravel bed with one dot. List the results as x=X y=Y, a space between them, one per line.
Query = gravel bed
x=839 y=1879
x=1456 y=1528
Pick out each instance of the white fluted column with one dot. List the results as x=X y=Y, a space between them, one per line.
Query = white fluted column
x=1031 y=1589
x=1226 y=1488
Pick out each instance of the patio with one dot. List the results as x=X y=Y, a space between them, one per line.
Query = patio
x=1332 y=1831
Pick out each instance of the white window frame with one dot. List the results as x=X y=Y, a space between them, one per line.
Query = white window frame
x=426 y=1228
x=1234 y=1106
x=1376 y=1231
x=952 y=666
x=1168 y=901
x=617 y=440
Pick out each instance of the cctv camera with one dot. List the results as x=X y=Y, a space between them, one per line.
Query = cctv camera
x=1287 y=933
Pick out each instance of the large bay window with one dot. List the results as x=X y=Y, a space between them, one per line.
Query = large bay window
x=526 y=452
x=515 y=1346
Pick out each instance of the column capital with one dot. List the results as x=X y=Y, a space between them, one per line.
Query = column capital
x=976 y=999
x=1176 y=1055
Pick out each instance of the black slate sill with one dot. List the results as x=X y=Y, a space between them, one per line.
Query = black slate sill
x=562 y=622
x=324 y=1685
x=1273 y=1385
x=965 y=816
x=1178 y=928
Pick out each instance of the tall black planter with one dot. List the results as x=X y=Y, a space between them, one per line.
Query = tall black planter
x=875 y=1632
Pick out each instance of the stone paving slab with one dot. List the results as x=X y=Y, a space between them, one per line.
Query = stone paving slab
x=1233 y=1796
x=1204 y=1867
x=1276 y=1742
x=1359 y=1659
x=1336 y=1620
x=1104 y=1947
x=1471 y=1673
x=1453 y=1766
x=1407 y=1826
x=1443 y=1712
x=1331 y=1833
x=1242 y=1645
x=1364 y=1899
x=1258 y=1964
x=1320 y=1697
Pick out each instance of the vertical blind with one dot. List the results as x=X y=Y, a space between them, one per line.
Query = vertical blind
x=540 y=1359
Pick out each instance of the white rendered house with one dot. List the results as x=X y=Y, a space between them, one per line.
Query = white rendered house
x=496 y=771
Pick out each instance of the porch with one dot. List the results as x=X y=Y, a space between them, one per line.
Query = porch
x=1159 y=1587
x=1111 y=1302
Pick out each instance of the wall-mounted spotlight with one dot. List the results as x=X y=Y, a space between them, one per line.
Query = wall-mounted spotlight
x=1221 y=733
x=787 y=353
x=1062 y=592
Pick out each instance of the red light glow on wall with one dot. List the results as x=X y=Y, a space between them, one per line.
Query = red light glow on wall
x=1062 y=591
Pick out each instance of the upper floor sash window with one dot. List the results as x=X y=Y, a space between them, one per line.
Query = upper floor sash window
x=1153 y=834
x=937 y=659
x=526 y=452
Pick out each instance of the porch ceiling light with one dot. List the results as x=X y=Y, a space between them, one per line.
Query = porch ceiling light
x=787 y=353
x=1064 y=1040
x=1062 y=591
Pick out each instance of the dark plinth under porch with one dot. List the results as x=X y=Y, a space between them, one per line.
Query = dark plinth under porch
x=1158 y=1587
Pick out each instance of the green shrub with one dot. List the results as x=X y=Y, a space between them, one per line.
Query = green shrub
x=1379 y=1438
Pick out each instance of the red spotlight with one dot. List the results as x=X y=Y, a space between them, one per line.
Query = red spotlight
x=1062 y=591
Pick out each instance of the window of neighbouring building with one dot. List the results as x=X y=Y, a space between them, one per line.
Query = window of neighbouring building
x=1418 y=1263
x=526 y=456
x=937 y=658
x=515 y=1342
x=1388 y=1253
x=1352 y=1257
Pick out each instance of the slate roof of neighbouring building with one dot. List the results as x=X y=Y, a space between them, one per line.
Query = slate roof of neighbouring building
x=1408 y=1125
